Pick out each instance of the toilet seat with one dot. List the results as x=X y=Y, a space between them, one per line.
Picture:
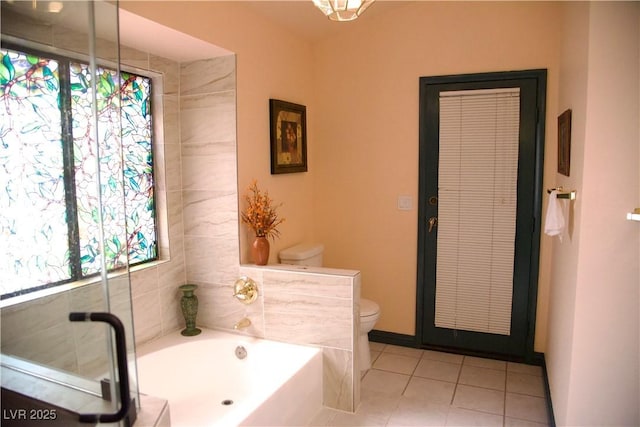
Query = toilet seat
x=368 y=308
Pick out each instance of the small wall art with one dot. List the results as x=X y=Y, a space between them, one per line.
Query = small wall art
x=288 y=137
x=564 y=142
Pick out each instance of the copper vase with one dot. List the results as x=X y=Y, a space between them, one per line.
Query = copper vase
x=260 y=250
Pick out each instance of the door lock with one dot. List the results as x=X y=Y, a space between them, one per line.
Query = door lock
x=433 y=221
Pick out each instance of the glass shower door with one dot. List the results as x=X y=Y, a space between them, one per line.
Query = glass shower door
x=63 y=220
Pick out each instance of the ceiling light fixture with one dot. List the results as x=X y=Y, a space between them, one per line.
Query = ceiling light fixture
x=342 y=10
x=52 y=6
x=55 y=6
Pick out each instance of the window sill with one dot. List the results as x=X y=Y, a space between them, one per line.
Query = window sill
x=20 y=299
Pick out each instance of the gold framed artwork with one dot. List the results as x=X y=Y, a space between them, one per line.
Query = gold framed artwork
x=288 y=122
x=564 y=143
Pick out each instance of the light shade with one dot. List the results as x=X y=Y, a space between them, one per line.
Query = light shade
x=342 y=10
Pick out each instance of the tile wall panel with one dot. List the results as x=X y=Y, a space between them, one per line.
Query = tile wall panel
x=337 y=379
x=24 y=27
x=308 y=319
x=322 y=285
x=209 y=189
x=209 y=76
x=208 y=117
x=315 y=307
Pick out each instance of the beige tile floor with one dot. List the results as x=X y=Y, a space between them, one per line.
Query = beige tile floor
x=411 y=387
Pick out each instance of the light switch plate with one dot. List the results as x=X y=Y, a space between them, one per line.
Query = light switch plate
x=405 y=203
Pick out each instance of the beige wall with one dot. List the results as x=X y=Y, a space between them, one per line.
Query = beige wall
x=368 y=141
x=362 y=103
x=572 y=94
x=593 y=349
x=270 y=64
x=363 y=137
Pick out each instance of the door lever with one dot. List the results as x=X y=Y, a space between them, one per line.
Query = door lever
x=433 y=221
x=123 y=373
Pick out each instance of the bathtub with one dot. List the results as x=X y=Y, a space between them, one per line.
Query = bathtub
x=206 y=384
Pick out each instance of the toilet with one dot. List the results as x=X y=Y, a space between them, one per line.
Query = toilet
x=311 y=255
x=369 y=315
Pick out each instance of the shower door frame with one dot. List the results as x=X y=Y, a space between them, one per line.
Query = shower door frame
x=100 y=291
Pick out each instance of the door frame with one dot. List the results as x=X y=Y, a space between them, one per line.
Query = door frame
x=540 y=77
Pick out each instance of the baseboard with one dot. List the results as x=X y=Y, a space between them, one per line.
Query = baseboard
x=404 y=340
x=552 y=418
x=393 y=338
x=538 y=359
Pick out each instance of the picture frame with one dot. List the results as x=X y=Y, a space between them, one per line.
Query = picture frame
x=564 y=143
x=288 y=123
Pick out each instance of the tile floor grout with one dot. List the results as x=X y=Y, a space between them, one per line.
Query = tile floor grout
x=416 y=400
x=455 y=387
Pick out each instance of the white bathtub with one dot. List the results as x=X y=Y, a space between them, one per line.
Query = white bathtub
x=277 y=384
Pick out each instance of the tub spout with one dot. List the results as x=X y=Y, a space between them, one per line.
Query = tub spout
x=244 y=323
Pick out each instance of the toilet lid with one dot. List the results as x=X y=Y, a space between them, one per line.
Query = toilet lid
x=368 y=307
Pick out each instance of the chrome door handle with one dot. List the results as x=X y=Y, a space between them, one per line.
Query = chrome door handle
x=433 y=221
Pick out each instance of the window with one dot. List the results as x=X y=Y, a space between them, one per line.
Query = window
x=57 y=181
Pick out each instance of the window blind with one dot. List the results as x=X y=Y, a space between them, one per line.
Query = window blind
x=477 y=195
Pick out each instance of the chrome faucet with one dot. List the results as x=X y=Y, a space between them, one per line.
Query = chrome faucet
x=244 y=323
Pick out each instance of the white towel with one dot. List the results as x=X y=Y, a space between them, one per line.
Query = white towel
x=555 y=223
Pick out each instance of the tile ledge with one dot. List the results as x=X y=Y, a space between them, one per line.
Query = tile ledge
x=303 y=269
x=30 y=296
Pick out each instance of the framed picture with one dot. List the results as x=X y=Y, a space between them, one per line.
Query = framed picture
x=288 y=137
x=564 y=142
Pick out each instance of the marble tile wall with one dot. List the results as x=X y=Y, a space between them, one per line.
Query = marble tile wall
x=39 y=330
x=316 y=307
x=209 y=180
x=154 y=290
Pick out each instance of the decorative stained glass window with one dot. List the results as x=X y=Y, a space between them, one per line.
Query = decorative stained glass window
x=50 y=219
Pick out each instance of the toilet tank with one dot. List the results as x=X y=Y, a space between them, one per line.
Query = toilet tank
x=309 y=254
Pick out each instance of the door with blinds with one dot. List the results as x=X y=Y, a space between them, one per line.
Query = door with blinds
x=481 y=141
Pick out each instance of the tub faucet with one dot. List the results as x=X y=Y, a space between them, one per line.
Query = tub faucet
x=244 y=323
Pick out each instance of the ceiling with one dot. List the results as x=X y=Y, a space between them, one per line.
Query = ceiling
x=302 y=18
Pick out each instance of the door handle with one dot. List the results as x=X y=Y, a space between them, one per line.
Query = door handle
x=123 y=373
x=433 y=221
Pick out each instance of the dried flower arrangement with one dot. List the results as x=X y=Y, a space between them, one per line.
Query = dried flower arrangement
x=260 y=214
